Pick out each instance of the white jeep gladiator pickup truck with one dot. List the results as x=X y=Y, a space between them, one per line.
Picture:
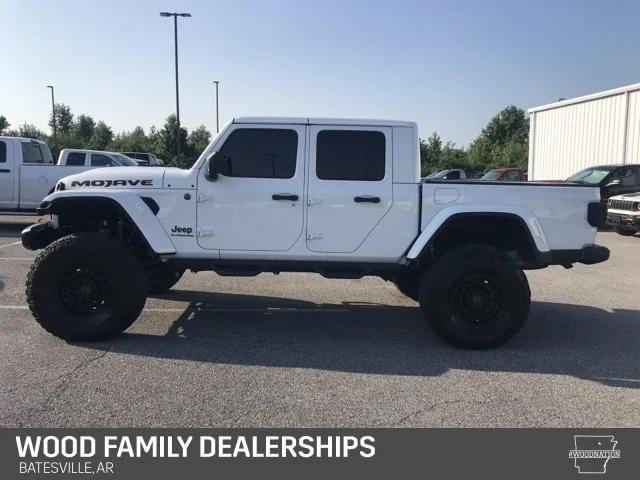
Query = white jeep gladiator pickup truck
x=339 y=197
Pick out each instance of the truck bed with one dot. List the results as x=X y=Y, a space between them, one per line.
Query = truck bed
x=555 y=213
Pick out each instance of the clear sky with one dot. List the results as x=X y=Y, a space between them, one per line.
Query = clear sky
x=449 y=65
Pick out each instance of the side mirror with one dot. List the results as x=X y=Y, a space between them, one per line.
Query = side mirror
x=217 y=165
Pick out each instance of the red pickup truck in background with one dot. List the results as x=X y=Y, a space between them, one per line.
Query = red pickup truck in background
x=505 y=175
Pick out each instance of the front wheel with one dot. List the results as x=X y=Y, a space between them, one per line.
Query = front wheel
x=475 y=297
x=86 y=286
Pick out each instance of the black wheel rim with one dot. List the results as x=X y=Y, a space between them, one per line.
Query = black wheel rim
x=83 y=292
x=476 y=297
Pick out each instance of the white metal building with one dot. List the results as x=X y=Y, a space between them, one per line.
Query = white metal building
x=567 y=136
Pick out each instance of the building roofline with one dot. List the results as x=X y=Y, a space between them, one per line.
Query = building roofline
x=586 y=98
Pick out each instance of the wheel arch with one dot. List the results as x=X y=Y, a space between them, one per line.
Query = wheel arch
x=139 y=211
x=521 y=221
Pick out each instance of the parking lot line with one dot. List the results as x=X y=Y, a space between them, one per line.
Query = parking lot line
x=219 y=310
x=16 y=259
x=9 y=244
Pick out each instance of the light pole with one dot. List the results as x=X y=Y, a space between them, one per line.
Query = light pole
x=175 y=16
x=217 y=115
x=53 y=110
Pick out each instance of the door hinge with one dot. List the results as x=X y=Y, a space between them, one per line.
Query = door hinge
x=314 y=236
x=313 y=201
x=205 y=233
x=205 y=198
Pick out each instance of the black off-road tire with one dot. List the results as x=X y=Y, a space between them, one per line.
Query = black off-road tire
x=86 y=287
x=408 y=285
x=162 y=277
x=475 y=297
x=627 y=232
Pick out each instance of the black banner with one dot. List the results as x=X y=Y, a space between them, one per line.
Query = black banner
x=316 y=453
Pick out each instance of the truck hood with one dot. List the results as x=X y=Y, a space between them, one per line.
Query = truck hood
x=627 y=196
x=116 y=177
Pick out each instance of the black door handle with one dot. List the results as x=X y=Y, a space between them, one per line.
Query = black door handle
x=5 y=170
x=284 y=196
x=366 y=199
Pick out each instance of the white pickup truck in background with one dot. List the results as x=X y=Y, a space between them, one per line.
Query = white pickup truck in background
x=28 y=173
x=94 y=158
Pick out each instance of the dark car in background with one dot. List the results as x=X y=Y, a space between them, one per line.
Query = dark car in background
x=449 y=174
x=505 y=175
x=145 y=159
x=611 y=179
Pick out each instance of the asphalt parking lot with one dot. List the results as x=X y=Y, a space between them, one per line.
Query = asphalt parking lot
x=298 y=350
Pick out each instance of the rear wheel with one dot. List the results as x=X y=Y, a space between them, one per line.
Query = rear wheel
x=86 y=286
x=625 y=231
x=162 y=277
x=475 y=297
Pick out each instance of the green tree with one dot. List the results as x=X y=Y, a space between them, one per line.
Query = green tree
x=28 y=130
x=64 y=119
x=4 y=124
x=509 y=125
x=83 y=129
x=133 y=141
x=504 y=142
x=453 y=157
x=102 y=136
x=168 y=144
x=199 y=140
x=430 y=153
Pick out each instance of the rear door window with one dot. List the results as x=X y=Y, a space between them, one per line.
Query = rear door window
x=32 y=153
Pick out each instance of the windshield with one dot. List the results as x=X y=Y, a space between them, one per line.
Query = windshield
x=590 y=176
x=125 y=161
x=492 y=175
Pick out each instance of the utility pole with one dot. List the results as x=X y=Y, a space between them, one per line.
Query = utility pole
x=175 y=38
x=217 y=111
x=53 y=110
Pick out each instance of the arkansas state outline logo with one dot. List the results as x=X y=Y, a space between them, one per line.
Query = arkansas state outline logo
x=592 y=452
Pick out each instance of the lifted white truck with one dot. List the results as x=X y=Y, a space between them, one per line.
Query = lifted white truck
x=339 y=197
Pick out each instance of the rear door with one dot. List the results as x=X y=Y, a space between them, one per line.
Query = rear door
x=350 y=185
x=6 y=173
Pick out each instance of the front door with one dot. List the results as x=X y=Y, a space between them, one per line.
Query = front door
x=257 y=205
x=6 y=174
x=350 y=185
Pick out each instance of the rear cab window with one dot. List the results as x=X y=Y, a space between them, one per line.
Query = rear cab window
x=3 y=152
x=35 y=152
x=76 y=158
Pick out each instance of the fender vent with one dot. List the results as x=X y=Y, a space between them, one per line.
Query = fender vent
x=151 y=203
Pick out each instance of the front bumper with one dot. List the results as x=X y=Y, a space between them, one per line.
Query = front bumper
x=623 y=220
x=39 y=235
